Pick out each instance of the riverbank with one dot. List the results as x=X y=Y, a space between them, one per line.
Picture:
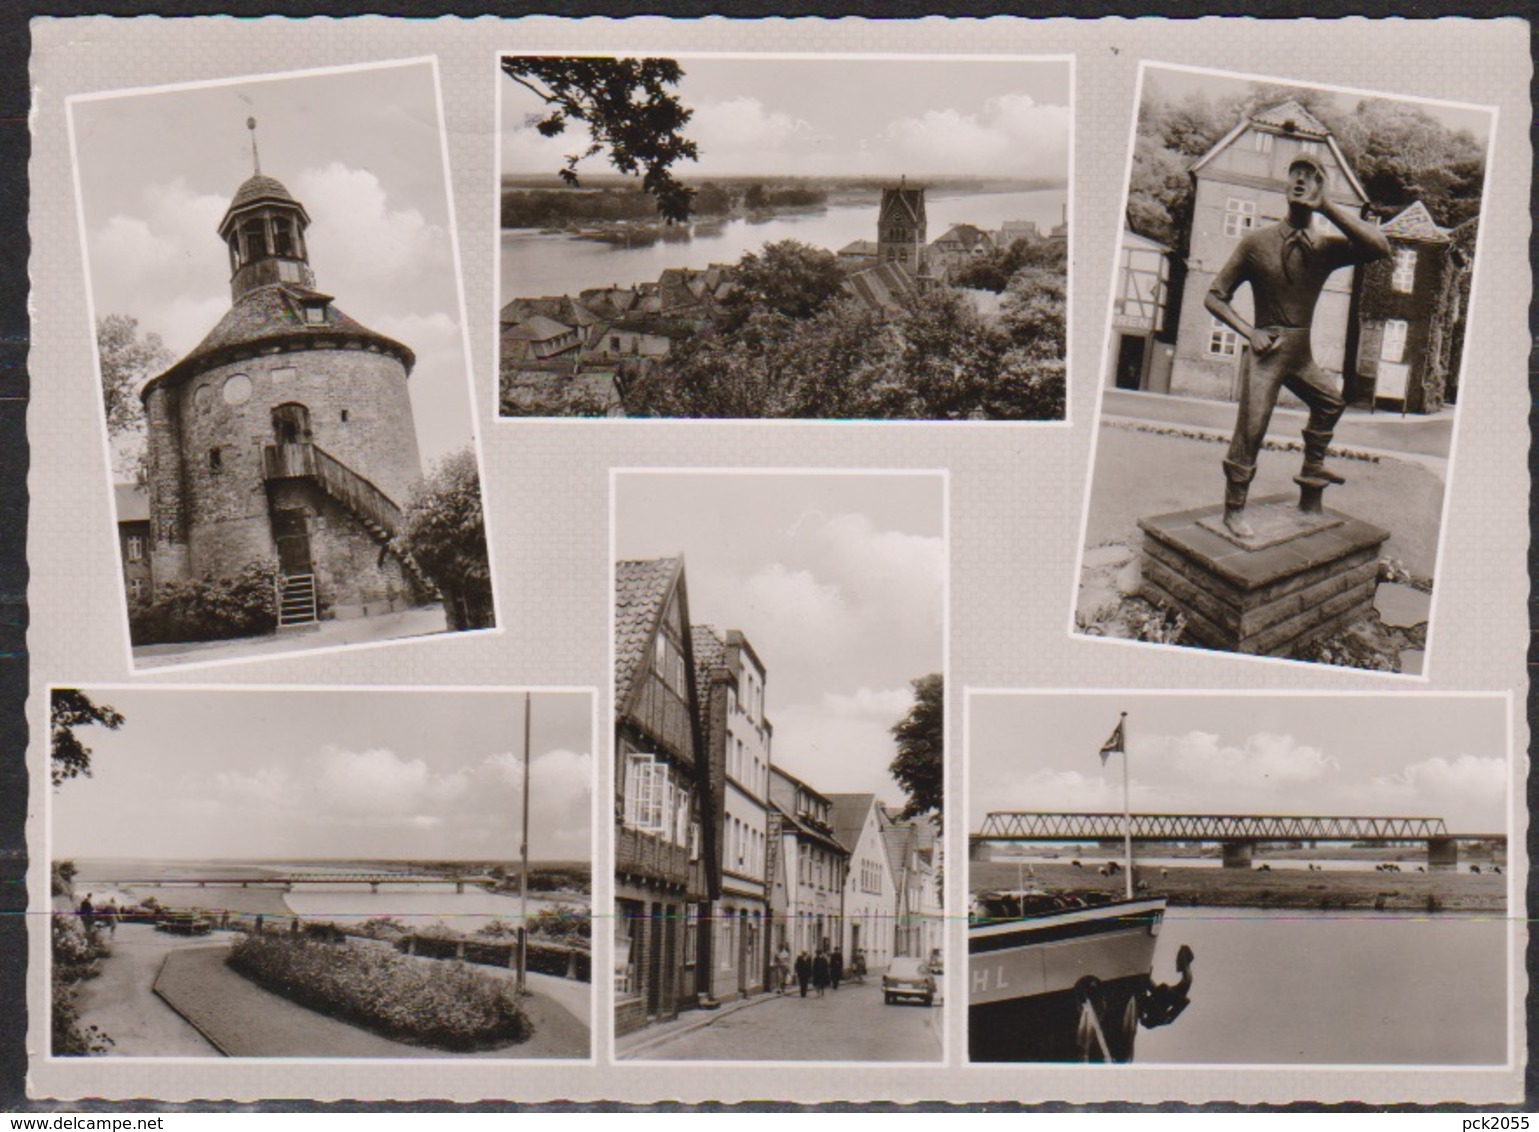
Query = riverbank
x=1295 y=889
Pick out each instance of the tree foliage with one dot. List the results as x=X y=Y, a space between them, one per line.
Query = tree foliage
x=70 y=708
x=128 y=359
x=445 y=531
x=1398 y=151
x=243 y=604
x=794 y=345
x=994 y=271
x=629 y=110
x=919 y=767
x=786 y=278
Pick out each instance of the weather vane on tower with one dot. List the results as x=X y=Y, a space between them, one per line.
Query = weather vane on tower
x=256 y=158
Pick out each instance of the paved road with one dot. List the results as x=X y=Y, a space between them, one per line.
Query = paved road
x=851 y=1024
x=1426 y=436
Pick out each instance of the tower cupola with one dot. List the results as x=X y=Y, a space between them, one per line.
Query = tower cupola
x=264 y=230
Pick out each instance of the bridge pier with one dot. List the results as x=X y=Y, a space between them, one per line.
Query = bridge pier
x=1442 y=854
x=1237 y=854
x=374 y=887
x=978 y=849
x=459 y=887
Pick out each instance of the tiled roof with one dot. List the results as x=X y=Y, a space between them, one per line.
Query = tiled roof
x=883 y=286
x=641 y=591
x=808 y=830
x=847 y=816
x=898 y=841
x=968 y=235
x=260 y=187
x=1416 y=223
x=537 y=328
x=1290 y=114
x=710 y=652
x=274 y=315
x=903 y=199
x=861 y=247
x=133 y=502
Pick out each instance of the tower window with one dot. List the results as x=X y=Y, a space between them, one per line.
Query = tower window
x=283 y=238
x=254 y=235
x=237 y=389
x=216 y=459
x=344 y=416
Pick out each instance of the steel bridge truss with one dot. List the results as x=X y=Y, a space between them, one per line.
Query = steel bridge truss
x=1207 y=827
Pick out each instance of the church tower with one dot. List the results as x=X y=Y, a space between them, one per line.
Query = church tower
x=286 y=434
x=901 y=227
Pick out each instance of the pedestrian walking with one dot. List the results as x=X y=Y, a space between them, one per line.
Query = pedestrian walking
x=836 y=967
x=820 y=972
x=111 y=916
x=87 y=914
x=803 y=971
x=782 y=968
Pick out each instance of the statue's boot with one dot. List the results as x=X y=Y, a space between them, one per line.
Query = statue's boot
x=1237 y=479
x=1315 y=444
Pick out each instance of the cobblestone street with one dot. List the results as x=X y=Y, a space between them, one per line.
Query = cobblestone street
x=851 y=1024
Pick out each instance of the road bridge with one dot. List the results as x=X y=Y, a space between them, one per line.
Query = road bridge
x=288 y=882
x=1237 y=834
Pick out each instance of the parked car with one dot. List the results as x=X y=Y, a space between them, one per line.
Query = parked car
x=908 y=978
x=184 y=923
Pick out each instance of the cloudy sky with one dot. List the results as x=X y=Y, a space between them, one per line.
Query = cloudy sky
x=844 y=117
x=1177 y=84
x=836 y=580
x=1387 y=756
x=360 y=149
x=212 y=773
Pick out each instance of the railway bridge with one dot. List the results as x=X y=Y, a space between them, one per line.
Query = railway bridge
x=1237 y=834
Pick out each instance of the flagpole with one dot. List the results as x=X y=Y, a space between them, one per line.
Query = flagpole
x=1127 y=816
x=523 y=872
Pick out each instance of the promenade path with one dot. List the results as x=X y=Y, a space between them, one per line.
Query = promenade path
x=247 y=1021
x=121 y=1000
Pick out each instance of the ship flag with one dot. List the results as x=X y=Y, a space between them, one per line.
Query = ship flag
x=1113 y=746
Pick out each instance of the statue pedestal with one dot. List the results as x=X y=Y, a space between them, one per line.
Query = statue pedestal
x=1304 y=574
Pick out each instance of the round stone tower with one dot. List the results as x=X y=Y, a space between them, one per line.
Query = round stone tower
x=285 y=434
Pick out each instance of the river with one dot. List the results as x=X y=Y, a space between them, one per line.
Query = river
x=418 y=905
x=1093 y=860
x=1365 y=988
x=534 y=264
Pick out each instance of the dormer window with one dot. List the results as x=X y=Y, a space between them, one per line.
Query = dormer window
x=315 y=313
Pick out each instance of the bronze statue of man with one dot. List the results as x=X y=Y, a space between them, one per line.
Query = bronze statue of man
x=1286 y=266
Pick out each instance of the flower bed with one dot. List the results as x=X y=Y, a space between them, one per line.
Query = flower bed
x=443 y=1005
